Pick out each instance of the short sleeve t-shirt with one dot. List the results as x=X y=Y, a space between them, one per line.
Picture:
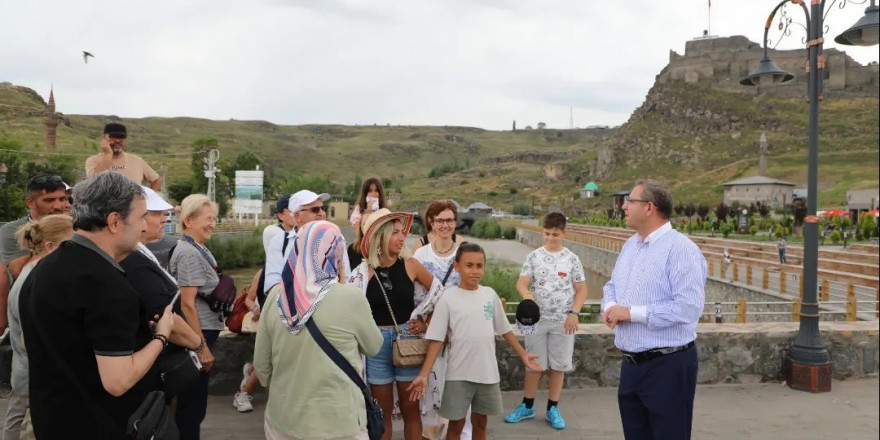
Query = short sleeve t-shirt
x=438 y=266
x=129 y=165
x=9 y=249
x=77 y=304
x=191 y=269
x=470 y=318
x=553 y=277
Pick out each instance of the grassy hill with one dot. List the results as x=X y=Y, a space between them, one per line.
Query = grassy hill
x=690 y=135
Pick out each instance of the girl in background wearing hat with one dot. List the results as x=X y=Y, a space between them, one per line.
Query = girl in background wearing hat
x=412 y=292
x=40 y=238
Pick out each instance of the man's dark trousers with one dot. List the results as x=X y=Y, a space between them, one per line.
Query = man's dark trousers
x=656 y=398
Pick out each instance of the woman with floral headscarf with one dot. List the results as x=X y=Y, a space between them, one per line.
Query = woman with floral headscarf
x=311 y=397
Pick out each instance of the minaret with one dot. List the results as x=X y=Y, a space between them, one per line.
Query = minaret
x=51 y=121
x=762 y=162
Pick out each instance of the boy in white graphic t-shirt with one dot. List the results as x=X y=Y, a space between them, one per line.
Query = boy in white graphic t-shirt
x=469 y=315
x=559 y=289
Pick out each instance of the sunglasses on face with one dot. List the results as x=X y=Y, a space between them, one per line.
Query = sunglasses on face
x=629 y=199
x=116 y=136
x=385 y=279
x=314 y=209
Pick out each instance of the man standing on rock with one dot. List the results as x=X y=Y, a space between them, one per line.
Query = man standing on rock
x=113 y=157
x=653 y=302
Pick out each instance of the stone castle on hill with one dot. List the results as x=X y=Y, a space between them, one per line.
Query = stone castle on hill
x=725 y=61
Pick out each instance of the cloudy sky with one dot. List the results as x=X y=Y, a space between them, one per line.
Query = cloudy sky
x=477 y=63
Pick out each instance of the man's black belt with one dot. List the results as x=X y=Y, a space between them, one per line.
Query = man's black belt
x=645 y=356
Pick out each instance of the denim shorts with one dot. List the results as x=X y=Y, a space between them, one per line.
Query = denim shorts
x=381 y=369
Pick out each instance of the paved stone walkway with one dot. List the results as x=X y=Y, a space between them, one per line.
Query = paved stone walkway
x=761 y=411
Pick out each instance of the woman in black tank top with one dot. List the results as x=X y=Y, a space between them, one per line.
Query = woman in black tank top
x=390 y=288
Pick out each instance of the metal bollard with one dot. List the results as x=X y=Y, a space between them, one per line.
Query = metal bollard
x=719 y=317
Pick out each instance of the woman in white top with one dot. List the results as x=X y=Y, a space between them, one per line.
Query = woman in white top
x=438 y=255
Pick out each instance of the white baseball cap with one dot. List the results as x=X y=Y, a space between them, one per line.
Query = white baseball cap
x=304 y=197
x=155 y=202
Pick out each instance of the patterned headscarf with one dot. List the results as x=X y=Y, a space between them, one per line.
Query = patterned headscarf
x=310 y=271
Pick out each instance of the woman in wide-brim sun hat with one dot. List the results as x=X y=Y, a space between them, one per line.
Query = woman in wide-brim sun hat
x=411 y=291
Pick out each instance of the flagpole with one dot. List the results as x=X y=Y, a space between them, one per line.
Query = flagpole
x=709 y=17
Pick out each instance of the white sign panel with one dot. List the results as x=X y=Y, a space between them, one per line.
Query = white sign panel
x=248 y=192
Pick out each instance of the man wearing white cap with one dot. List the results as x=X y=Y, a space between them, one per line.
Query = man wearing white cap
x=305 y=206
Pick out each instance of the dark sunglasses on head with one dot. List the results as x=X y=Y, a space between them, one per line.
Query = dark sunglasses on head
x=314 y=209
x=42 y=180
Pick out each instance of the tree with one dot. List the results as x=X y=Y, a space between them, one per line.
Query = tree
x=542 y=125
x=763 y=209
x=722 y=211
x=521 y=209
x=679 y=209
x=690 y=210
x=179 y=190
x=703 y=212
x=19 y=169
x=799 y=210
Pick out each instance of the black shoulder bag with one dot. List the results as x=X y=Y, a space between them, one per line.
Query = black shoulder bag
x=375 y=423
x=221 y=299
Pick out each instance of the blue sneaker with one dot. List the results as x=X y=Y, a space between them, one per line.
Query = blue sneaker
x=555 y=419
x=520 y=413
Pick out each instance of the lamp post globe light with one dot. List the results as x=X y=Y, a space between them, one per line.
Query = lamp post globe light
x=808 y=365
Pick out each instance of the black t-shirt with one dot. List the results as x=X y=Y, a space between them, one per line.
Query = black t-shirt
x=401 y=294
x=155 y=291
x=77 y=304
x=354 y=256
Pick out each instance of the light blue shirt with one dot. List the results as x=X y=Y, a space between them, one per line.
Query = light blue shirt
x=662 y=280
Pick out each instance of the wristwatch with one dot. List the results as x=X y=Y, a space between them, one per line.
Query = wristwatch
x=572 y=312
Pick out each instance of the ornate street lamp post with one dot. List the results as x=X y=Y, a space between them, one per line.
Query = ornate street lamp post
x=808 y=366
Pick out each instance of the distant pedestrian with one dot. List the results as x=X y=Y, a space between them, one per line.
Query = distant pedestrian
x=780 y=244
x=653 y=302
x=113 y=157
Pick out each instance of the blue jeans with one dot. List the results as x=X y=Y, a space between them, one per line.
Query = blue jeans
x=192 y=404
x=381 y=369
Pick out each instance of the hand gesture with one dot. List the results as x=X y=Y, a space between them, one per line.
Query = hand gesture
x=206 y=358
x=105 y=145
x=571 y=324
x=530 y=360
x=417 y=327
x=615 y=315
x=416 y=389
x=166 y=323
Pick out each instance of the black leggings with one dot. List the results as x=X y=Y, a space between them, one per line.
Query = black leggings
x=192 y=404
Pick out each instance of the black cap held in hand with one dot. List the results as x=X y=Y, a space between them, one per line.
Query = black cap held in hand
x=527 y=312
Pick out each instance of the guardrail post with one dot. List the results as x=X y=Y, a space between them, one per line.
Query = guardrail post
x=765 y=279
x=723 y=270
x=711 y=266
x=877 y=302
x=741 y=311
x=825 y=290
x=796 y=310
x=749 y=275
x=735 y=272
x=782 y=280
x=852 y=306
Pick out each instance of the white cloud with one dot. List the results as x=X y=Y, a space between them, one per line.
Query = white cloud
x=442 y=62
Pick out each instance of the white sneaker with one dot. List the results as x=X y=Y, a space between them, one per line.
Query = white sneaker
x=242 y=402
x=246 y=369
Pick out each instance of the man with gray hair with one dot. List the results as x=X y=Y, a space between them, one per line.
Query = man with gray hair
x=88 y=341
x=653 y=303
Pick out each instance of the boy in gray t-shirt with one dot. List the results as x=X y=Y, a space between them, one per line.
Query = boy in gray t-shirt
x=469 y=315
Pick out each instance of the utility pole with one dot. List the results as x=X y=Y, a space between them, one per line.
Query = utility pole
x=211 y=171
x=163 y=170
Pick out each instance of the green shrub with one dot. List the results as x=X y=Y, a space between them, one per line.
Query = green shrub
x=835 y=237
x=726 y=229
x=502 y=279
x=508 y=232
x=521 y=209
x=237 y=252
x=753 y=229
x=486 y=228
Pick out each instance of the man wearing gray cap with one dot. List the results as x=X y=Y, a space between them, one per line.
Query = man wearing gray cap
x=113 y=157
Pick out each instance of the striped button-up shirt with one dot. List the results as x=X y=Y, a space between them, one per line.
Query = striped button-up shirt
x=661 y=279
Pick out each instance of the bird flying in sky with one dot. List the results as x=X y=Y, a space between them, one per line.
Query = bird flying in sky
x=86 y=56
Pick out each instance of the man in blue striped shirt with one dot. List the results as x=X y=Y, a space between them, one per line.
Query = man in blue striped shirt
x=653 y=303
